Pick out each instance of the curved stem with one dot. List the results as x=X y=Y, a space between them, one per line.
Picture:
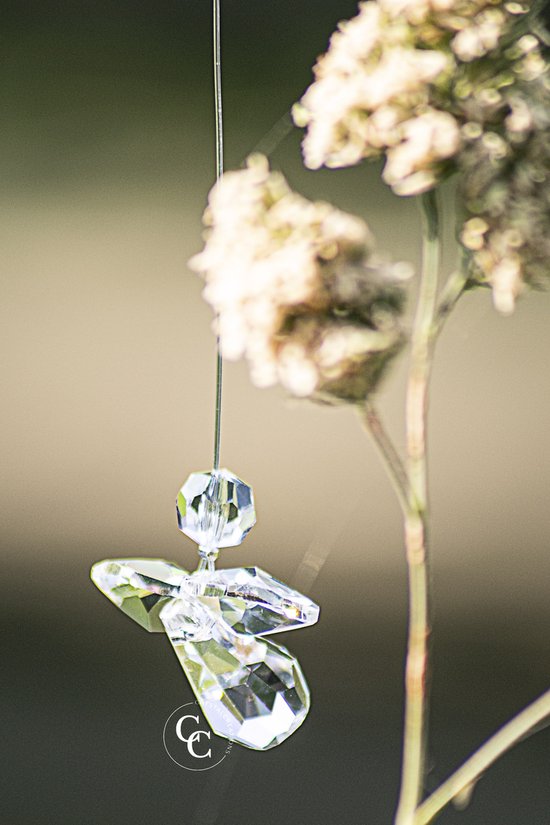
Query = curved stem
x=411 y=487
x=450 y=294
x=416 y=671
x=387 y=452
x=466 y=776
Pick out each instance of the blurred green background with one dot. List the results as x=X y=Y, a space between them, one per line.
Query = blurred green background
x=106 y=158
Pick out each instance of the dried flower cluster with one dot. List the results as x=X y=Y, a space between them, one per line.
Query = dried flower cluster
x=439 y=86
x=297 y=288
x=384 y=86
x=505 y=175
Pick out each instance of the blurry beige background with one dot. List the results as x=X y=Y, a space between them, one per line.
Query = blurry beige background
x=108 y=377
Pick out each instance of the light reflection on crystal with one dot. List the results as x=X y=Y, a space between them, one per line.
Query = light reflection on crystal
x=252 y=601
x=140 y=587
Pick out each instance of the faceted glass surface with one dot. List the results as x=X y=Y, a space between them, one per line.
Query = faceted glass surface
x=215 y=509
x=140 y=587
x=251 y=691
x=188 y=620
x=252 y=601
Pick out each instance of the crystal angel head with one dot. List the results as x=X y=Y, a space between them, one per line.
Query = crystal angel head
x=215 y=509
x=251 y=690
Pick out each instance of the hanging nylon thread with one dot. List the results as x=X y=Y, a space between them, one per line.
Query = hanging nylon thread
x=218 y=114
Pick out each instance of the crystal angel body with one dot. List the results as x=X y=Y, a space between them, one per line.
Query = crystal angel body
x=251 y=690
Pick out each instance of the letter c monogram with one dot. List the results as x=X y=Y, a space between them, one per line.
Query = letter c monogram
x=194 y=737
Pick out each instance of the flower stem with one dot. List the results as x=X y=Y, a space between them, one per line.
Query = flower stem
x=411 y=486
x=450 y=294
x=465 y=777
x=386 y=449
x=416 y=519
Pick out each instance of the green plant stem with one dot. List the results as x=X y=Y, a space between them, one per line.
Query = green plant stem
x=410 y=484
x=465 y=777
x=450 y=294
x=388 y=454
x=416 y=521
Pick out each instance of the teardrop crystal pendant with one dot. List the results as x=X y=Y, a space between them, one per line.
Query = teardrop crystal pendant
x=251 y=690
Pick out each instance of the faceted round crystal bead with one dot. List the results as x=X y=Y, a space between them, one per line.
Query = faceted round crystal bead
x=215 y=509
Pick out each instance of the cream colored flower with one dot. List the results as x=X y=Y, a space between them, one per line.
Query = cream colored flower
x=504 y=183
x=440 y=86
x=415 y=11
x=370 y=82
x=427 y=140
x=297 y=288
x=478 y=39
x=395 y=81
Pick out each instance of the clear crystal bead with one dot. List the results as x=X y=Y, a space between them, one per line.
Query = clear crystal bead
x=188 y=620
x=251 y=691
x=252 y=601
x=215 y=509
x=140 y=587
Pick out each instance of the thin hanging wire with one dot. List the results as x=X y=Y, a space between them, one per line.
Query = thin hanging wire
x=218 y=112
x=267 y=146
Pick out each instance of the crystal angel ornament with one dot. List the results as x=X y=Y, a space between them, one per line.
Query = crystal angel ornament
x=251 y=690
